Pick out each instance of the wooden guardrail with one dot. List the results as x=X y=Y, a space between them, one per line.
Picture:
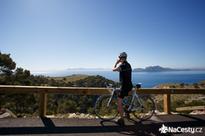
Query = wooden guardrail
x=167 y=94
x=44 y=90
x=190 y=108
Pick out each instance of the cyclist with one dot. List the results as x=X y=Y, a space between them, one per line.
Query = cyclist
x=125 y=76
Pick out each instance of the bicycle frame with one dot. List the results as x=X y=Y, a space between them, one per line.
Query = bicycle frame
x=134 y=96
x=112 y=95
x=135 y=104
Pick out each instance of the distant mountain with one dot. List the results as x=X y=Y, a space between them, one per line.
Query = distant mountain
x=157 y=69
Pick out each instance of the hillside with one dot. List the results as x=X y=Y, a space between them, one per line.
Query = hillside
x=71 y=78
x=57 y=103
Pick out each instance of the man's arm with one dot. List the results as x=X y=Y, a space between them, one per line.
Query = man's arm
x=115 y=68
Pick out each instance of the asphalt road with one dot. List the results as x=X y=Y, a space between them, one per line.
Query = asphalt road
x=95 y=127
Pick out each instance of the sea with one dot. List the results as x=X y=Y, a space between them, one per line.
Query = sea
x=147 y=79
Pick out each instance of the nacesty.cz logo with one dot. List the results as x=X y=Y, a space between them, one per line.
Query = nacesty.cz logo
x=166 y=129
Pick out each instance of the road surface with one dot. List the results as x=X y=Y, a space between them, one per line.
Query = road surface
x=96 y=127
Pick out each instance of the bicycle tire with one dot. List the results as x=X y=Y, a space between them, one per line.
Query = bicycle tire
x=103 y=111
x=147 y=109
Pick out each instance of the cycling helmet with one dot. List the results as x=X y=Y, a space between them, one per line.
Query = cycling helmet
x=123 y=55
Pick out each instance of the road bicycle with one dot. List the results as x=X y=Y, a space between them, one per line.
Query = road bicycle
x=140 y=106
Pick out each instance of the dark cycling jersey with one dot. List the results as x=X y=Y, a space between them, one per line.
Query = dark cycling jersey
x=125 y=79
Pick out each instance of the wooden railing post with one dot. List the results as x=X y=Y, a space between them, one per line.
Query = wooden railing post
x=42 y=104
x=167 y=102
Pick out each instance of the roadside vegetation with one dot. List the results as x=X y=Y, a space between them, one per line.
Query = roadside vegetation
x=182 y=100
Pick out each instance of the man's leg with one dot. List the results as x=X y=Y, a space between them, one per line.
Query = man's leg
x=120 y=121
x=120 y=108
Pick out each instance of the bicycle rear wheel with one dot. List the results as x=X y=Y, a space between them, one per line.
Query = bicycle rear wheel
x=104 y=110
x=144 y=107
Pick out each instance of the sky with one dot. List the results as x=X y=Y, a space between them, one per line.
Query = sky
x=44 y=35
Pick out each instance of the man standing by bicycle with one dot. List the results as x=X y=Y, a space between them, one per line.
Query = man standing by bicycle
x=125 y=76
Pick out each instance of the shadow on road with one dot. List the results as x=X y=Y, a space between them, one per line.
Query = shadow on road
x=134 y=128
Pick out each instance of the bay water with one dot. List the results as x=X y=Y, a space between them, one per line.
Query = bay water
x=148 y=79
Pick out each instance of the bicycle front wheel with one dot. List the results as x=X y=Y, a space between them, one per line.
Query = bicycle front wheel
x=143 y=108
x=105 y=110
